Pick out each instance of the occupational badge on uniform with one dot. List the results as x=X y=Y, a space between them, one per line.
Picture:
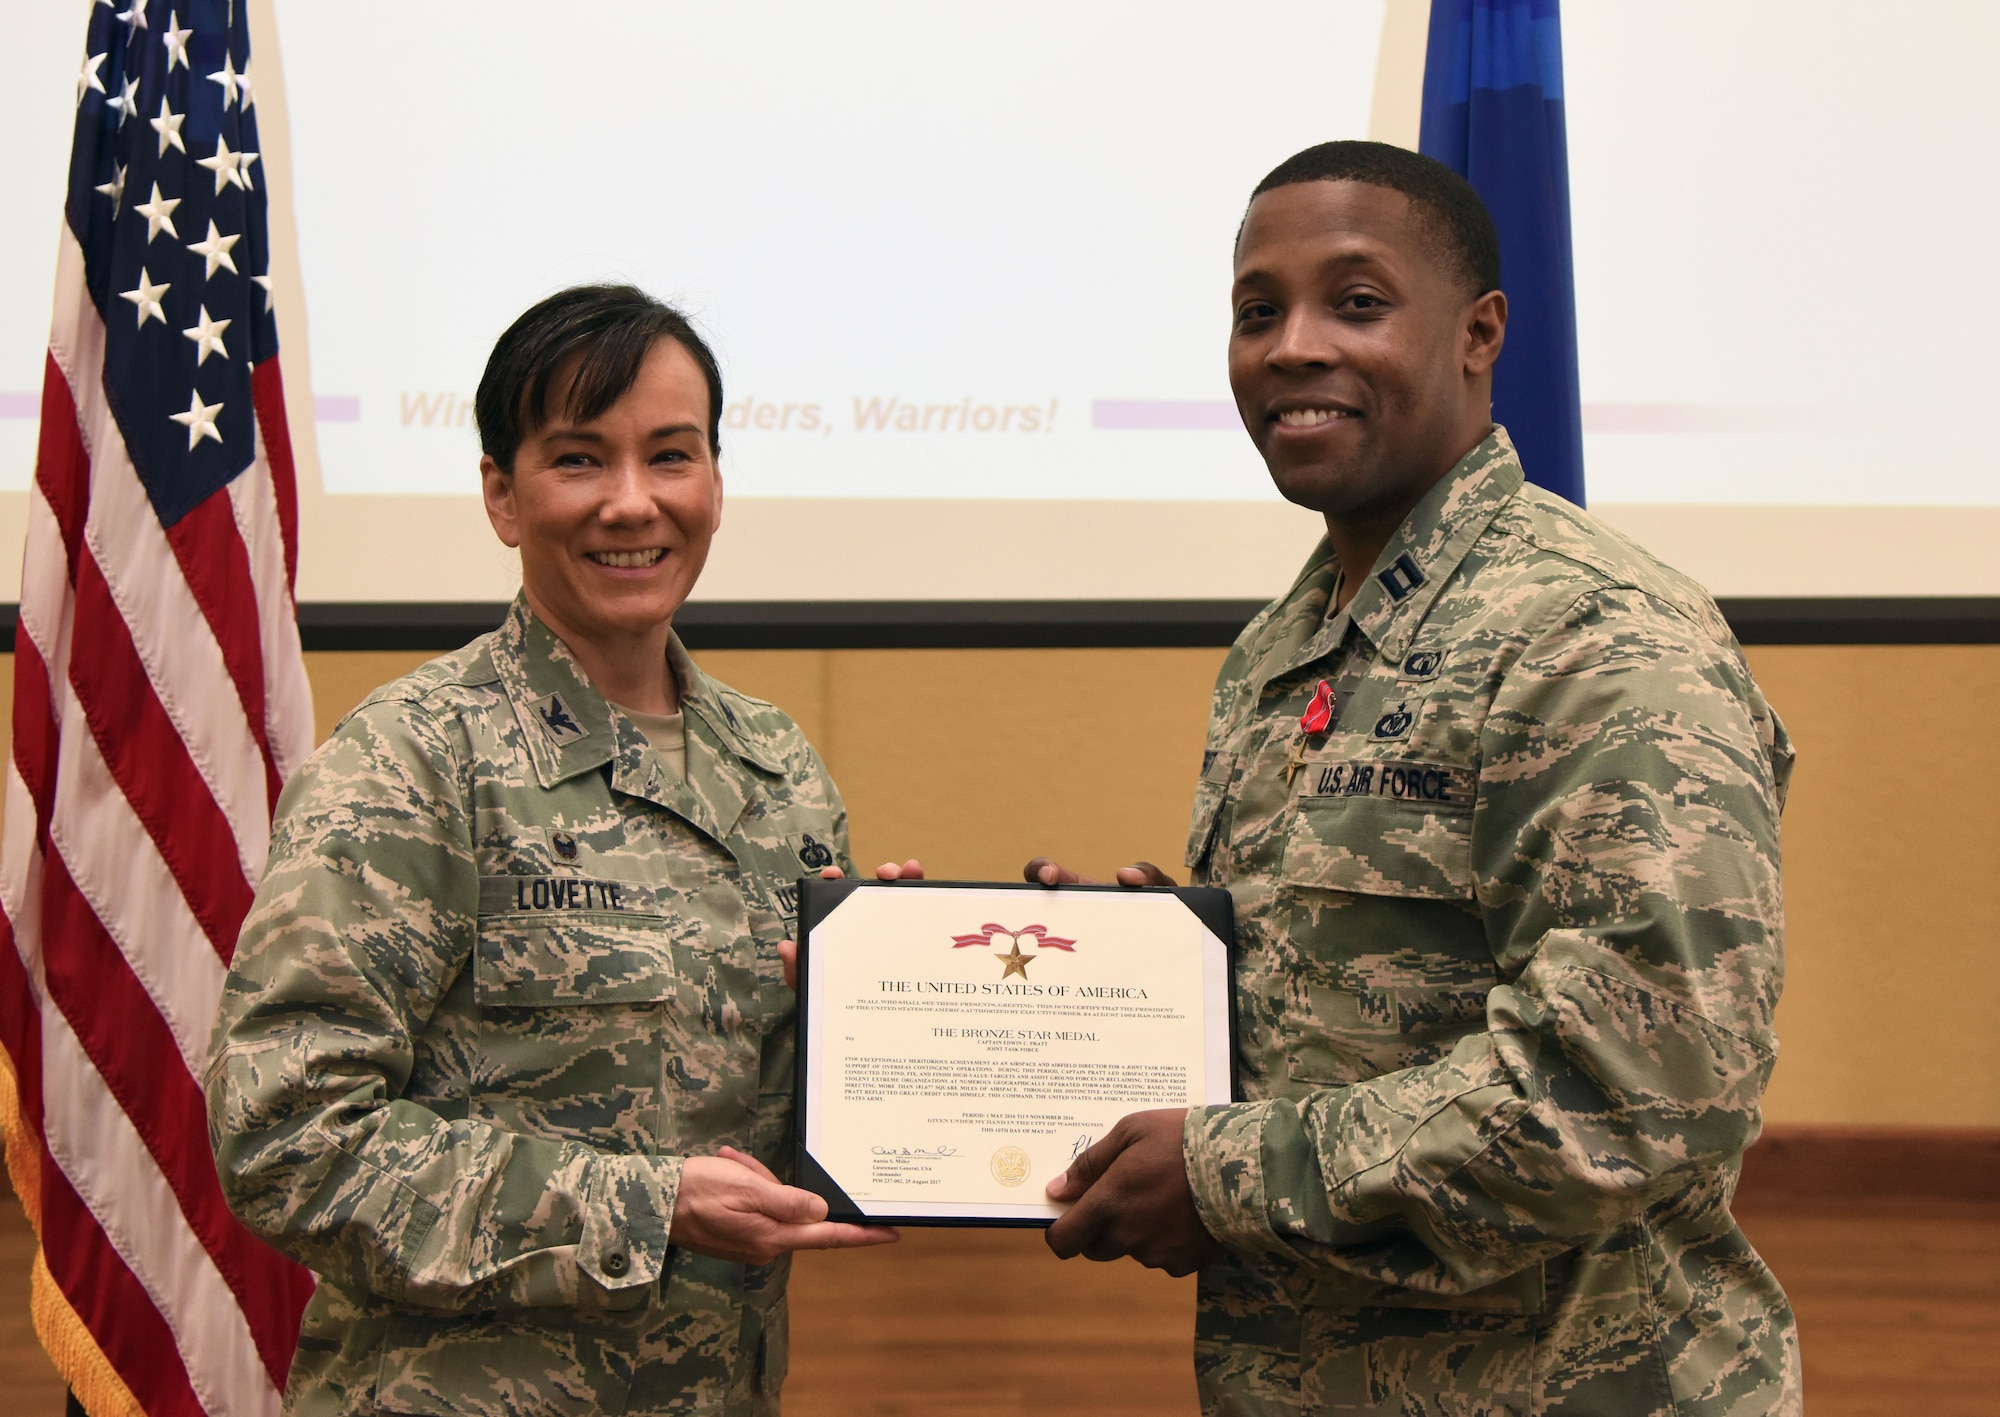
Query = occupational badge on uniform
x=556 y=719
x=1396 y=723
x=565 y=845
x=1421 y=664
x=814 y=855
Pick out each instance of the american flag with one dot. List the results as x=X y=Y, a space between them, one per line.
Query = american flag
x=159 y=702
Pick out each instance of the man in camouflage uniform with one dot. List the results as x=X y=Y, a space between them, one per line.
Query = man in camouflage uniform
x=1500 y=819
x=511 y=982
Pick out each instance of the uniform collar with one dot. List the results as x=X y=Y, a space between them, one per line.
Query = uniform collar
x=570 y=728
x=1391 y=603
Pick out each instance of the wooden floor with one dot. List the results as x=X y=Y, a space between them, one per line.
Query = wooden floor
x=1899 y=1312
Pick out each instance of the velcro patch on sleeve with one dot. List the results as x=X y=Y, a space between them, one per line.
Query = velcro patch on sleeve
x=1437 y=786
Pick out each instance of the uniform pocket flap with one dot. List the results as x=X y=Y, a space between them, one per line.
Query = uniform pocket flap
x=1380 y=846
x=448 y=1367
x=526 y=962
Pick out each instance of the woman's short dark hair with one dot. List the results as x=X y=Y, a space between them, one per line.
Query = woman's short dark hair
x=611 y=328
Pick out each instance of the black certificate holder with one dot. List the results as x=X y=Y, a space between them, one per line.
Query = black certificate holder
x=818 y=898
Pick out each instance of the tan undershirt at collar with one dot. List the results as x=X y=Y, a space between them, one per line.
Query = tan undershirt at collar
x=667 y=732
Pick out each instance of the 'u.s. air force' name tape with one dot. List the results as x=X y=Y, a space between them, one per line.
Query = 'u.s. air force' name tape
x=1435 y=785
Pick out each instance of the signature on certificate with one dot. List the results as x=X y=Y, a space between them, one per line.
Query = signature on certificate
x=1080 y=1146
x=934 y=1152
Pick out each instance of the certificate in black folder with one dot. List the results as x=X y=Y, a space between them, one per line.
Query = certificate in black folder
x=960 y=1042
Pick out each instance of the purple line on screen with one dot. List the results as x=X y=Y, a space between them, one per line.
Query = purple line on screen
x=20 y=405
x=1701 y=418
x=1176 y=415
x=337 y=408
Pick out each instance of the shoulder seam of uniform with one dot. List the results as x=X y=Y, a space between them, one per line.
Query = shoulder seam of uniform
x=1659 y=603
x=1604 y=578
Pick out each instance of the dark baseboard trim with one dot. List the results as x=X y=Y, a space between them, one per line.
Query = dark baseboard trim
x=1789 y=1164
x=435 y=626
x=1865 y=620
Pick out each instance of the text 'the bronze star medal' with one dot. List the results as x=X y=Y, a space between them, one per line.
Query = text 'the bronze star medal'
x=1015 y=962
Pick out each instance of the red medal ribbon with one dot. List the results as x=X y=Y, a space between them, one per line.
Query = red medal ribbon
x=1319 y=713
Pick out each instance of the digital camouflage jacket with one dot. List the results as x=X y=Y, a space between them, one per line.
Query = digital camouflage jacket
x=1510 y=944
x=501 y=977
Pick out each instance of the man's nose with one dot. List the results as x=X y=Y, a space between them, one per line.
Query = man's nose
x=1305 y=340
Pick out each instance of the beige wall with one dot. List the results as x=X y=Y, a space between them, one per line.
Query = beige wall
x=977 y=759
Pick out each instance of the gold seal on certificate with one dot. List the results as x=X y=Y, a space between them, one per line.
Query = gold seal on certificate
x=959 y=1043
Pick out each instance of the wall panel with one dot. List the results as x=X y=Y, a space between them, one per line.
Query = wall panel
x=978 y=759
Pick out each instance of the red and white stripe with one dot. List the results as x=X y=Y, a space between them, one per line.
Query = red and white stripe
x=160 y=700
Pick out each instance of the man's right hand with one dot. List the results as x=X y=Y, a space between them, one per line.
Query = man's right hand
x=1044 y=872
x=732 y=1208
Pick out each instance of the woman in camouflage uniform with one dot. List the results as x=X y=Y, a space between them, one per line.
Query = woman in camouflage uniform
x=506 y=1052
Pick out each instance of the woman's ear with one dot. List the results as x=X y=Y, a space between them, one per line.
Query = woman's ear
x=496 y=486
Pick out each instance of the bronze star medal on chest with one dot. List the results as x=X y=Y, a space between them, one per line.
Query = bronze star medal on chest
x=1317 y=718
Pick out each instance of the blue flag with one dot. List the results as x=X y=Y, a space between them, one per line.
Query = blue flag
x=1493 y=113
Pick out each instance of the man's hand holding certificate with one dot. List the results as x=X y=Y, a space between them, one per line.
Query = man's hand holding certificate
x=963 y=1045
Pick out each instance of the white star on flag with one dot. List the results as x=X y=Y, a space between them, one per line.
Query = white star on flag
x=199 y=420
x=207 y=337
x=134 y=18
x=88 y=80
x=263 y=283
x=147 y=298
x=168 y=126
x=115 y=188
x=126 y=101
x=227 y=166
x=176 y=41
x=226 y=76
x=215 y=249
x=159 y=213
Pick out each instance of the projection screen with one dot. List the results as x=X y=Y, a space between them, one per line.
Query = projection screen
x=966 y=268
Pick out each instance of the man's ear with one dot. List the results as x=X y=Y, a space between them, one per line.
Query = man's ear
x=718 y=494
x=1485 y=332
x=496 y=488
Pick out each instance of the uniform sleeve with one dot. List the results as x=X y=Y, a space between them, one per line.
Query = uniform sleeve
x=843 y=856
x=364 y=919
x=1625 y=858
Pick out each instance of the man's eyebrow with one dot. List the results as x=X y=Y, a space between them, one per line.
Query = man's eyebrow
x=1349 y=257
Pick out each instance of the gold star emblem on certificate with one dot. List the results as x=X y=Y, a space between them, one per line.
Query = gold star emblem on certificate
x=1015 y=962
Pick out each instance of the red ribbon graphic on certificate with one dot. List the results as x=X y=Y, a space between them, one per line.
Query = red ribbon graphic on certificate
x=987 y=933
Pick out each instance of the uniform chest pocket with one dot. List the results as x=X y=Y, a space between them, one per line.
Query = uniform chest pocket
x=575 y=1017
x=1390 y=964
x=1383 y=828
x=584 y=960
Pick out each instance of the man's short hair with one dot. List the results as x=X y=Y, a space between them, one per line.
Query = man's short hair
x=607 y=330
x=1445 y=204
